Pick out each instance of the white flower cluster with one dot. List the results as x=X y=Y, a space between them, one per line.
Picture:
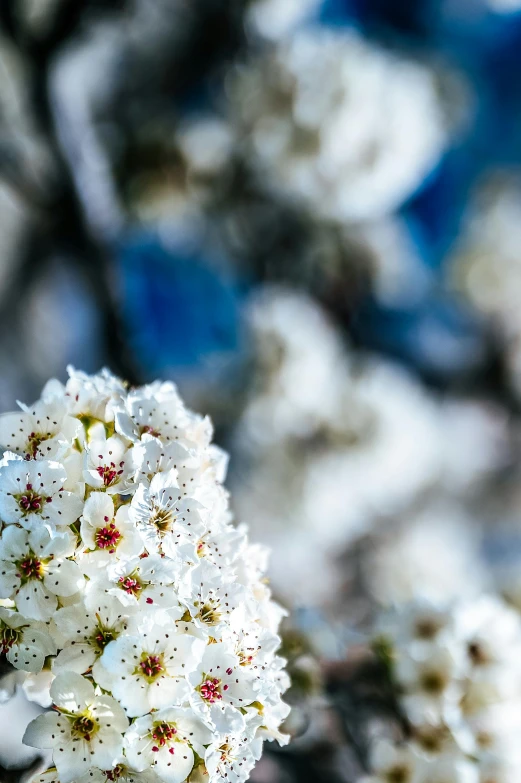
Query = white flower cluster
x=119 y=562
x=458 y=677
x=347 y=128
x=354 y=440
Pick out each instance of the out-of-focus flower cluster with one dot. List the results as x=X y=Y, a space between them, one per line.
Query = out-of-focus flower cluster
x=339 y=124
x=333 y=444
x=456 y=671
x=131 y=602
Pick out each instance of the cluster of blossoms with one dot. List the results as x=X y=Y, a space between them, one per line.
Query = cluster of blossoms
x=327 y=434
x=458 y=681
x=120 y=571
x=345 y=127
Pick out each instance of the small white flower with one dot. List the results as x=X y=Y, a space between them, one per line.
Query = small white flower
x=219 y=682
x=136 y=584
x=106 y=534
x=210 y=598
x=147 y=671
x=254 y=645
x=165 y=741
x=91 y=398
x=85 y=634
x=151 y=456
x=35 y=569
x=199 y=472
x=164 y=518
x=155 y=410
x=85 y=731
x=108 y=465
x=41 y=432
x=32 y=494
x=492 y=632
x=417 y=623
x=24 y=642
x=232 y=757
x=432 y=680
x=221 y=547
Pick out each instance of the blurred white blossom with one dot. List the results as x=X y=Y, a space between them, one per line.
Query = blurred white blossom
x=341 y=125
x=329 y=444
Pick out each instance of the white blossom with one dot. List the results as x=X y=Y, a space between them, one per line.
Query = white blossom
x=349 y=129
x=36 y=568
x=85 y=731
x=85 y=634
x=44 y=431
x=220 y=683
x=163 y=517
x=137 y=584
x=147 y=671
x=107 y=534
x=165 y=741
x=24 y=642
x=108 y=465
x=32 y=494
x=232 y=757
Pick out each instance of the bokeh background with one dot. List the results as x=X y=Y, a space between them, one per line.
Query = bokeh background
x=307 y=213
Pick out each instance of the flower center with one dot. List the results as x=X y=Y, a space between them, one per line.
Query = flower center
x=433 y=682
x=245 y=658
x=31 y=568
x=115 y=773
x=209 y=690
x=163 y=733
x=150 y=666
x=426 y=629
x=130 y=584
x=147 y=429
x=34 y=442
x=398 y=774
x=85 y=727
x=162 y=519
x=8 y=638
x=209 y=613
x=430 y=738
x=110 y=473
x=102 y=636
x=107 y=537
x=477 y=654
x=225 y=751
x=30 y=502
